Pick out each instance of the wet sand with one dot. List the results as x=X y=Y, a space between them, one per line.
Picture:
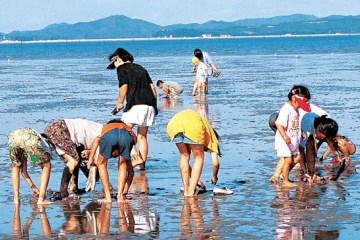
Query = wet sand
x=238 y=106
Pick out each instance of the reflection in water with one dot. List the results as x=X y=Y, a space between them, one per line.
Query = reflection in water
x=192 y=211
x=44 y=221
x=201 y=107
x=333 y=166
x=192 y=220
x=103 y=219
x=140 y=183
x=291 y=213
x=73 y=218
x=170 y=103
x=89 y=218
x=146 y=220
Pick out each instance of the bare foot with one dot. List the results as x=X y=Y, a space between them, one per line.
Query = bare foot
x=274 y=179
x=201 y=185
x=319 y=179
x=306 y=178
x=289 y=184
x=188 y=194
x=136 y=160
x=122 y=200
x=104 y=200
x=44 y=202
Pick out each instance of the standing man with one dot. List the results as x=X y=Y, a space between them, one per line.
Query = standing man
x=137 y=88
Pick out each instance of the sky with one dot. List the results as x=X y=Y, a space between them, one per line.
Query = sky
x=30 y=15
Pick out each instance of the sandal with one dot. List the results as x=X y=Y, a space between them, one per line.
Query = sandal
x=56 y=196
x=72 y=196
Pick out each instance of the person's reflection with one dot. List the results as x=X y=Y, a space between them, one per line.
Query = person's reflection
x=73 y=218
x=289 y=224
x=89 y=218
x=96 y=218
x=201 y=106
x=170 y=103
x=145 y=219
x=331 y=169
x=139 y=184
x=103 y=219
x=192 y=212
x=38 y=209
x=126 y=219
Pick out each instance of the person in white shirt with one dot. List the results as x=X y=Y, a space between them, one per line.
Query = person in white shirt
x=73 y=139
x=201 y=77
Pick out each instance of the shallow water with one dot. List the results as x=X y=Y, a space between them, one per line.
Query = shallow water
x=252 y=85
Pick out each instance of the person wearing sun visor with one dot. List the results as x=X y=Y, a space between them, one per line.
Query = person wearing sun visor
x=287 y=137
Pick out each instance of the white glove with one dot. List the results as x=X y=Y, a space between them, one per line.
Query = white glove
x=91 y=181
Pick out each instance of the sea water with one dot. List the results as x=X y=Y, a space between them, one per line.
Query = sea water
x=45 y=81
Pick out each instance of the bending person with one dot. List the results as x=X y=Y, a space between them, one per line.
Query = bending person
x=26 y=144
x=192 y=133
x=315 y=127
x=116 y=140
x=73 y=139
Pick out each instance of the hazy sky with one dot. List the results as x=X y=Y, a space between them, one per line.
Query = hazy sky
x=37 y=14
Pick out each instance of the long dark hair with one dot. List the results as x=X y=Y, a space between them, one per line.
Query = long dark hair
x=327 y=126
x=218 y=138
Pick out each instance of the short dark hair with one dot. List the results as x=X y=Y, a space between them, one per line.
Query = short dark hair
x=327 y=126
x=115 y=120
x=158 y=82
x=299 y=90
x=198 y=53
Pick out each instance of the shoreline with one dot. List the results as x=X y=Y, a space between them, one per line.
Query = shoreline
x=175 y=38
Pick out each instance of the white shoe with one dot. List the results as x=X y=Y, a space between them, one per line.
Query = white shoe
x=222 y=191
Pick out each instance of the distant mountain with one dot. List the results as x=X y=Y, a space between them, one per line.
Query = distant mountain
x=257 y=22
x=110 y=27
x=120 y=26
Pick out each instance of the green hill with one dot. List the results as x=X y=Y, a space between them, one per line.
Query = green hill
x=119 y=26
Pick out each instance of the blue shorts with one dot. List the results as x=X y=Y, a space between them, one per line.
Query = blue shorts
x=181 y=138
x=116 y=139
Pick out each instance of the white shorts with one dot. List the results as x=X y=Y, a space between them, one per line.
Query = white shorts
x=286 y=152
x=201 y=79
x=141 y=115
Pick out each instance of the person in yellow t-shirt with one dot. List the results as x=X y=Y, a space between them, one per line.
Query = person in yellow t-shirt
x=191 y=132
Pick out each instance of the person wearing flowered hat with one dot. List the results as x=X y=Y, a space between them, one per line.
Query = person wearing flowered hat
x=25 y=144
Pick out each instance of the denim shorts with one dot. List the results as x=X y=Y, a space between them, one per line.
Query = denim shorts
x=181 y=138
x=116 y=139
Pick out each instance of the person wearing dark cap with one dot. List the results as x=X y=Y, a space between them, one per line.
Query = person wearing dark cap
x=138 y=90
